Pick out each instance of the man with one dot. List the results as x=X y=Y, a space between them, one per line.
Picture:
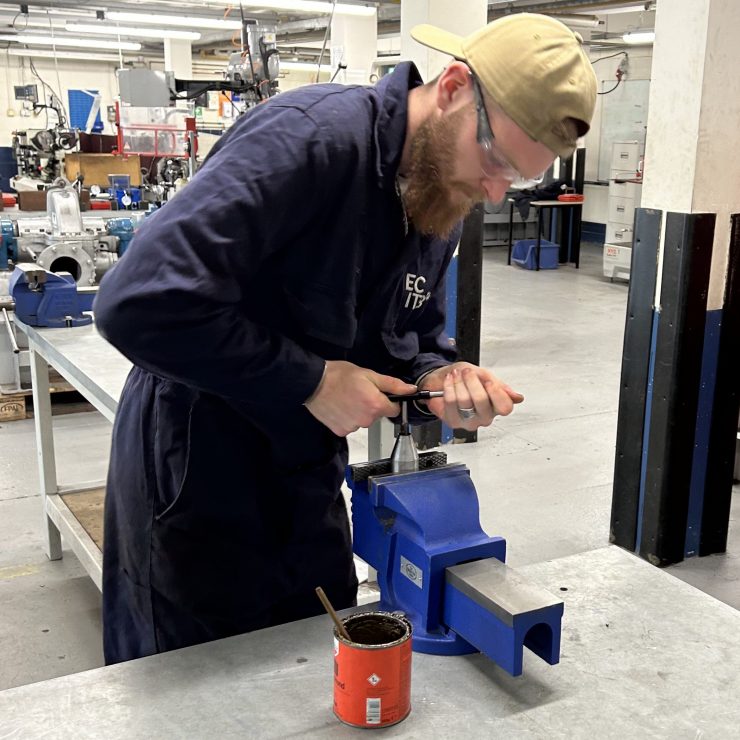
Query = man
x=269 y=309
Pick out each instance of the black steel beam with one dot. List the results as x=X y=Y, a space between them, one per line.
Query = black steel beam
x=633 y=388
x=687 y=256
x=469 y=292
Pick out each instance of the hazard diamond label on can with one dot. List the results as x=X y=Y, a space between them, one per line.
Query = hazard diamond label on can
x=374 y=679
x=412 y=572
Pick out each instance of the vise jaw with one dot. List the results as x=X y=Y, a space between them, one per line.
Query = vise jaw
x=421 y=531
x=44 y=298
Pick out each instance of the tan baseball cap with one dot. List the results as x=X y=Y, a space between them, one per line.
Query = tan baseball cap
x=534 y=67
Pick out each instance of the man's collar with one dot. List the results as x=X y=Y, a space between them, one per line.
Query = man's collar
x=390 y=128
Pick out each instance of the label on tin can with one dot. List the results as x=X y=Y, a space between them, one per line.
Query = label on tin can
x=372 y=711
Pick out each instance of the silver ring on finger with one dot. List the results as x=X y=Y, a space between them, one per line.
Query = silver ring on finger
x=466 y=414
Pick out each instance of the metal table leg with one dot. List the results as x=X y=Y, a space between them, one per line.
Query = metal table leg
x=539 y=236
x=511 y=230
x=45 y=449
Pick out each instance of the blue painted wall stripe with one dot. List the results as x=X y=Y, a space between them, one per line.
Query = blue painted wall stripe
x=646 y=429
x=708 y=380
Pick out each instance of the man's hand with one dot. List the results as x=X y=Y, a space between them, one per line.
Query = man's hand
x=475 y=390
x=350 y=397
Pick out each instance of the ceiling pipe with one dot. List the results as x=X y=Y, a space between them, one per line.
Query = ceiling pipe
x=553 y=6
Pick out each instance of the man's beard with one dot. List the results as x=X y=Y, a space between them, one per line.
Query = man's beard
x=431 y=204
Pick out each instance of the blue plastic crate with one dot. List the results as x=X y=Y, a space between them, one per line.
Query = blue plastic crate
x=524 y=254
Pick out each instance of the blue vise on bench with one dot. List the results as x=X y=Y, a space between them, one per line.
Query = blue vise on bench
x=421 y=531
x=44 y=298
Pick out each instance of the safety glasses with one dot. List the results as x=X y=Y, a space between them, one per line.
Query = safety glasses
x=494 y=164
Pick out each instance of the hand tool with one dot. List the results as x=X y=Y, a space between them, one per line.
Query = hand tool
x=418 y=396
x=405 y=457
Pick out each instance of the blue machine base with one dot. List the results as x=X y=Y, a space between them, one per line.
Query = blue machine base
x=448 y=644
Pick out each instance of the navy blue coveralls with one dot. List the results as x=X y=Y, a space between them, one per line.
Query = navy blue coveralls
x=289 y=247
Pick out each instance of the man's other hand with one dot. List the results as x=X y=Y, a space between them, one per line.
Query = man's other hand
x=475 y=390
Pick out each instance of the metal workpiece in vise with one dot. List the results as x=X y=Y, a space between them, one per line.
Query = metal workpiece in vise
x=44 y=298
x=405 y=456
x=418 y=525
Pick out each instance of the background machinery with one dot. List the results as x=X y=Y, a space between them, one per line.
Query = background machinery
x=64 y=240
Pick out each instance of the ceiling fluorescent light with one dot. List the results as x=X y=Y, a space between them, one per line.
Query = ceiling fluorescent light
x=181 y=21
x=145 y=33
x=639 y=37
x=305 y=6
x=66 y=11
x=56 y=23
x=22 y=38
x=50 y=54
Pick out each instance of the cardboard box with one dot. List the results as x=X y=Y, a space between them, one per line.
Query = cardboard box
x=95 y=168
x=32 y=200
x=35 y=200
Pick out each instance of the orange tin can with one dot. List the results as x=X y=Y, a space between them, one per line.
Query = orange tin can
x=372 y=671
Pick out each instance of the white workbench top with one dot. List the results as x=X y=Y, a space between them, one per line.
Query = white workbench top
x=644 y=655
x=85 y=359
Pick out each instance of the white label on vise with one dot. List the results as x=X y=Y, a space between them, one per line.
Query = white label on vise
x=412 y=572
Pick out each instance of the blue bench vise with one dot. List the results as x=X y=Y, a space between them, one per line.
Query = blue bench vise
x=44 y=298
x=420 y=530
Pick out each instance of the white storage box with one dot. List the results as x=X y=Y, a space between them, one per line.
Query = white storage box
x=617 y=260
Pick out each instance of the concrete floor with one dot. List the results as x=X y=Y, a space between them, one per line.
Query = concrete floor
x=544 y=474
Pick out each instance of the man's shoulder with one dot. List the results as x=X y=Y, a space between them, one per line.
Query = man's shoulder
x=331 y=104
x=335 y=118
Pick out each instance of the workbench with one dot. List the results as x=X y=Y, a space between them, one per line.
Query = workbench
x=644 y=655
x=98 y=371
x=572 y=248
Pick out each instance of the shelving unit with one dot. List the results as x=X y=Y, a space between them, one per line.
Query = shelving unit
x=625 y=191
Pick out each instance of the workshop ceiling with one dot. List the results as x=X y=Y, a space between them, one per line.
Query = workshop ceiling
x=299 y=31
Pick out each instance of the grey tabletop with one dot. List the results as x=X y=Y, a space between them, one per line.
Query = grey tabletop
x=81 y=355
x=550 y=203
x=553 y=203
x=643 y=655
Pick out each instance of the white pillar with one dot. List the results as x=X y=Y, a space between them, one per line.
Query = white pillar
x=691 y=162
x=354 y=42
x=178 y=58
x=451 y=15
